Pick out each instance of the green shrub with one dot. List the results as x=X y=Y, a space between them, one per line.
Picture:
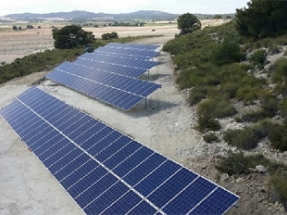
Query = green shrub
x=237 y=163
x=279 y=183
x=207 y=123
x=253 y=116
x=209 y=138
x=227 y=52
x=278 y=137
x=246 y=138
x=200 y=92
x=263 y=128
x=269 y=105
x=108 y=36
x=216 y=108
x=247 y=94
x=233 y=163
x=196 y=95
x=279 y=71
x=258 y=58
x=283 y=108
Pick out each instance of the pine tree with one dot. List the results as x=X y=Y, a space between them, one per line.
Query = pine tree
x=262 y=18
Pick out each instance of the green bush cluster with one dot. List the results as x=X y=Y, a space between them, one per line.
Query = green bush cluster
x=209 y=138
x=237 y=163
x=216 y=108
x=258 y=58
x=279 y=76
x=108 y=36
x=242 y=139
x=207 y=123
x=227 y=52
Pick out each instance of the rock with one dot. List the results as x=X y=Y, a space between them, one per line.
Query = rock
x=224 y=177
x=239 y=180
x=276 y=204
x=261 y=169
x=204 y=166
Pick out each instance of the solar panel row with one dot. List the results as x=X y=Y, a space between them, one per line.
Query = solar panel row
x=133 y=46
x=136 y=53
x=117 y=60
x=123 y=83
x=109 y=95
x=105 y=171
x=109 y=67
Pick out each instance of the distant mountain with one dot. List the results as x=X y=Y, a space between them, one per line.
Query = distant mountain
x=85 y=15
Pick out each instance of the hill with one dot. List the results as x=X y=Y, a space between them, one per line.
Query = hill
x=79 y=15
x=85 y=15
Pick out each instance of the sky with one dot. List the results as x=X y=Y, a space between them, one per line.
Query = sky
x=122 y=6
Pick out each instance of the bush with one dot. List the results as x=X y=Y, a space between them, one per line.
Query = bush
x=233 y=163
x=278 y=137
x=253 y=116
x=263 y=128
x=216 y=108
x=108 y=36
x=258 y=58
x=242 y=139
x=227 y=52
x=269 y=105
x=237 y=163
x=283 y=108
x=207 y=123
x=279 y=70
x=247 y=93
x=209 y=138
x=279 y=183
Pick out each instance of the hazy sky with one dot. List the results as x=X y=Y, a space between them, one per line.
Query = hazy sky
x=122 y=6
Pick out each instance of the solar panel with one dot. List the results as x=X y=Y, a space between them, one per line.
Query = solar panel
x=118 y=60
x=105 y=171
x=137 y=53
x=122 y=83
x=109 y=67
x=133 y=46
x=120 y=91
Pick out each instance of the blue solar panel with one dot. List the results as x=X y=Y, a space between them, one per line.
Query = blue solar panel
x=137 y=53
x=118 y=60
x=123 y=83
x=109 y=67
x=132 y=46
x=107 y=172
x=119 y=91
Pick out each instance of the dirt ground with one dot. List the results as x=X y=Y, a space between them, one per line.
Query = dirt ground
x=164 y=123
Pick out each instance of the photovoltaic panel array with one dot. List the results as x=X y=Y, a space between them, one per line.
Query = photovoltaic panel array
x=137 y=53
x=133 y=46
x=119 y=91
x=105 y=171
x=119 y=60
x=122 y=83
x=104 y=66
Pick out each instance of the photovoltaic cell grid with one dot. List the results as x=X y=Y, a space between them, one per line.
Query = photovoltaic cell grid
x=103 y=170
x=122 y=83
x=104 y=66
x=133 y=46
x=137 y=53
x=118 y=60
x=120 y=91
